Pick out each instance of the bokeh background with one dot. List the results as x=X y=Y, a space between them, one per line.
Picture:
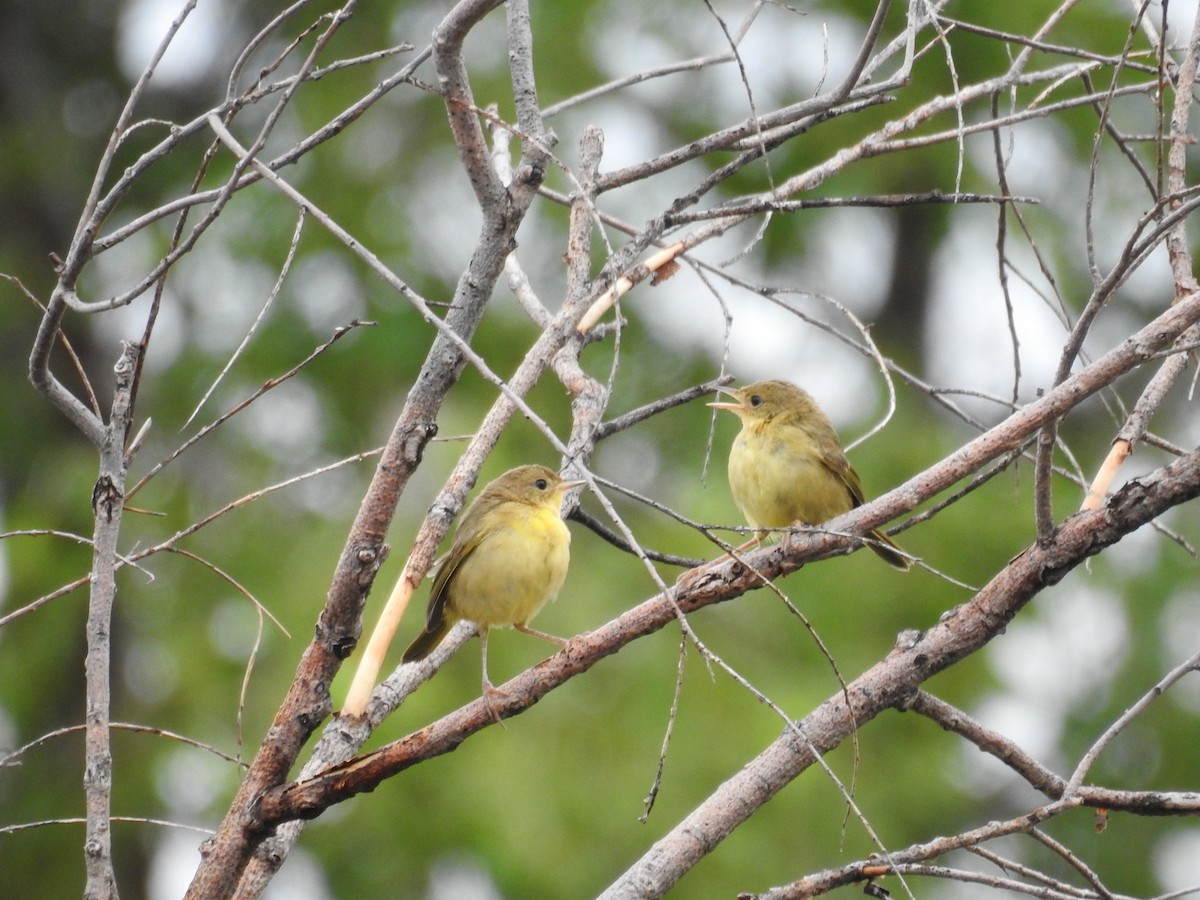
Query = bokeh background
x=549 y=805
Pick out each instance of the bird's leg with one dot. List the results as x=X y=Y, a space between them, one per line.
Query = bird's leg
x=758 y=538
x=489 y=689
x=525 y=629
x=750 y=544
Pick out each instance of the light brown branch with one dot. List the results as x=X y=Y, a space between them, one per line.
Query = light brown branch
x=891 y=682
x=728 y=579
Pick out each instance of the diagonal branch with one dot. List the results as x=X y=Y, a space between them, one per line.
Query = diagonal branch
x=727 y=579
x=308 y=702
x=468 y=133
x=891 y=682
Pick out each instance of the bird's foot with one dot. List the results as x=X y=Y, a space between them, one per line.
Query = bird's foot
x=490 y=693
x=552 y=638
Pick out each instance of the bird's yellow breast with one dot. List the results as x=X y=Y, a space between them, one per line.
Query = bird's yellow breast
x=777 y=477
x=515 y=570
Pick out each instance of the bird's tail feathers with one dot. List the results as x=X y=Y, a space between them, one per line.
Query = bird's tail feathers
x=889 y=551
x=426 y=642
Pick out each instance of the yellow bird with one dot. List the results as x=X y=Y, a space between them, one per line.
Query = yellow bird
x=508 y=559
x=787 y=464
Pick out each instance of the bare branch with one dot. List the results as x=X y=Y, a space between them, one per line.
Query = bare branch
x=108 y=499
x=807 y=141
x=891 y=682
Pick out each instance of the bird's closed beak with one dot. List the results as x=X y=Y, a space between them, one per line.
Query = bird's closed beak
x=568 y=485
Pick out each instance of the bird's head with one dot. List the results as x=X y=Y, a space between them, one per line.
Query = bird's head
x=766 y=401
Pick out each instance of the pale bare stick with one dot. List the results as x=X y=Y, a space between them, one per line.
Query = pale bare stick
x=1121 y=448
x=1138 y=421
x=606 y=300
x=1181 y=267
x=377 y=646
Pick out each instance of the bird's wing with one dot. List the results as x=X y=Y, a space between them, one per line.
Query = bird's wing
x=835 y=461
x=471 y=534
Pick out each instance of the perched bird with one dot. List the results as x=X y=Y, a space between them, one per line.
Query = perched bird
x=508 y=560
x=787 y=465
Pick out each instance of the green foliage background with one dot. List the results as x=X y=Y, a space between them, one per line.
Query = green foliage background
x=547 y=806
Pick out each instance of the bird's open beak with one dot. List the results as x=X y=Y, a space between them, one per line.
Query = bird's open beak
x=732 y=407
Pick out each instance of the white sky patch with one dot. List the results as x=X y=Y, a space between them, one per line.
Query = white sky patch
x=461 y=877
x=767 y=340
x=1150 y=285
x=1048 y=663
x=1034 y=727
x=632 y=42
x=9 y=736
x=1179 y=627
x=1137 y=553
x=968 y=314
x=1039 y=162
x=414 y=23
x=1069 y=649
x=870 y=234
x=1180 y=15
x=806 y=45
x=175 y=858
x=226 y=294
x=144 y=23
x=1175 y=859
x=444 y=205
x=635 y=457
x=810 y=44
x=284 y=421
x=632 y=134
x=189 y=782
x=326 y=291
x=116 y=271
x=646 y=35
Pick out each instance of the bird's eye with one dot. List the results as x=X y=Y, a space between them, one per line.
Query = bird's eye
x=540 y=484
x=755 y=400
